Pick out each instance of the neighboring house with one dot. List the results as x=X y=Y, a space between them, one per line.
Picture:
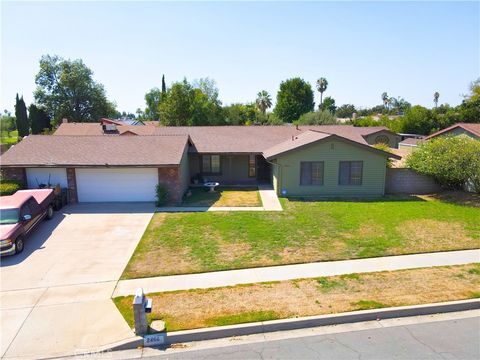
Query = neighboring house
x=467 y=129
x=126 y=162
x=409 y=143
x=126 y=121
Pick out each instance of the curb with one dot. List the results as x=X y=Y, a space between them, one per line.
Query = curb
x=322 y=320
x=296 y=323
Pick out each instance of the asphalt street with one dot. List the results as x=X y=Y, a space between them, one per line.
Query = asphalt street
x=451 y=339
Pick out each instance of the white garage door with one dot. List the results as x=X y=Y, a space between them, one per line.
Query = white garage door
x=54 y=176
x=104 y=185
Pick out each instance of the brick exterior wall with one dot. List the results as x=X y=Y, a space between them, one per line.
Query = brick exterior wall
x=407 y=181
x=170 y=177
x=72 y=186
x=18 y=174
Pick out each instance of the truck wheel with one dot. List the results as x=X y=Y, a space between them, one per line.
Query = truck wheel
x=19 y=245
x=49 y=212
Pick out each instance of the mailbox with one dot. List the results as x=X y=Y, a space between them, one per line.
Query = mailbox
x=141 y=306
x=148 y=306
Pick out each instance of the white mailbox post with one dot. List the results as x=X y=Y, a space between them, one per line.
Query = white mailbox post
x=141 y=306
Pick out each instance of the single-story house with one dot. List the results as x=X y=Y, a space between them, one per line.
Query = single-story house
x=125 y=163
x=468 y=129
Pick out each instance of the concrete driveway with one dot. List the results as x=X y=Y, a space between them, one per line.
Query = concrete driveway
x=55 y=296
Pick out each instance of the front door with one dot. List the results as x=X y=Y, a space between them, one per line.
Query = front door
x=264 y=169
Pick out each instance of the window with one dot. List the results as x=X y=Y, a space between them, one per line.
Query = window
x=251 y=166
x=210 y=164
x=350 y=173
x=382 y=139
x=25 y=210
x=311 y=173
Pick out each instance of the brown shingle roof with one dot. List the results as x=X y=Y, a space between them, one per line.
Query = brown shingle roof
x=297 y=141
x=313 y=136
x=472 y=128
x=411 y=141
x=96 y=151
x=228 y=139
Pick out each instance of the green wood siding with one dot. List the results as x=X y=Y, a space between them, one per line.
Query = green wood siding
x=458 y=132
x=286 y=176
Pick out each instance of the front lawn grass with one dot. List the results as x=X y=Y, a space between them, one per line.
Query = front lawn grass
x=312 y=231
x=223 y=196
x=304 y=297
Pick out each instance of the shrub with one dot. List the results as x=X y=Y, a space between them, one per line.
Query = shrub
x=452 y=161
x=162 y=194
x=9 y=187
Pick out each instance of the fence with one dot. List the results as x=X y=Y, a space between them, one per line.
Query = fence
x=407 y=181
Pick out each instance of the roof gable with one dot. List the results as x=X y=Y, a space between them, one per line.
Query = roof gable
x=472 y=128
x=312 y=137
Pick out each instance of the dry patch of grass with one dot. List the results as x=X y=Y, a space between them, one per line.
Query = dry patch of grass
x=424 y=234
x=224 y=197
x=304 y=297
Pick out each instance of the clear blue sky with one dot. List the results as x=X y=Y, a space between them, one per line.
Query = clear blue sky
x=409 y=49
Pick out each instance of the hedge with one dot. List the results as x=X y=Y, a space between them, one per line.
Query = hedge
x=9 y=187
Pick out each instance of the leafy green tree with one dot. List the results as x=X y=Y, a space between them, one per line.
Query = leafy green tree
x=322 y=85
x=436 y=95
x=21 y=116
x=321 y=117
x=7 y=123
x=452 y=161
x=241 y=114
x=328 y=104
x=346 y=111
x=66 y=89
x=469 y=110
x=186 y=105
x=39 y=119
x=294 y=99
x=264 y=101
x=153 y=98
x=418 y=120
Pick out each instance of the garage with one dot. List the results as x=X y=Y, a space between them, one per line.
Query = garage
x=116 y=184
x=46 y=176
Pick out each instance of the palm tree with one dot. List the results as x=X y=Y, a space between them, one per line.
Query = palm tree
x=264 y=101
x=436 y=95
x=322 y=85
x=385 y=99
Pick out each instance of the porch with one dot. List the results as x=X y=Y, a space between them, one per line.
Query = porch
x=229 y=169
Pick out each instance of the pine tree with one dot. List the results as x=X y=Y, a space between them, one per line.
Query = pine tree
x=39 y=119
x=22 y=118
x=164 y=87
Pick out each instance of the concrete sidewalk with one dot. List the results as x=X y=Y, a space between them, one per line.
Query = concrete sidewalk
x=288 y=272
x=269 y=198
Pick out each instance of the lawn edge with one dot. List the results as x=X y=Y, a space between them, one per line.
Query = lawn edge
x=219 y=332
x=122 y=278
x=319 y=320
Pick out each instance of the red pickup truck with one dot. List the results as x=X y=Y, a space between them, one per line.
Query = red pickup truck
x=19 y=213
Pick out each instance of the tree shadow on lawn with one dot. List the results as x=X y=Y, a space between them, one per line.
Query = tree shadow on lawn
x=455 y=197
